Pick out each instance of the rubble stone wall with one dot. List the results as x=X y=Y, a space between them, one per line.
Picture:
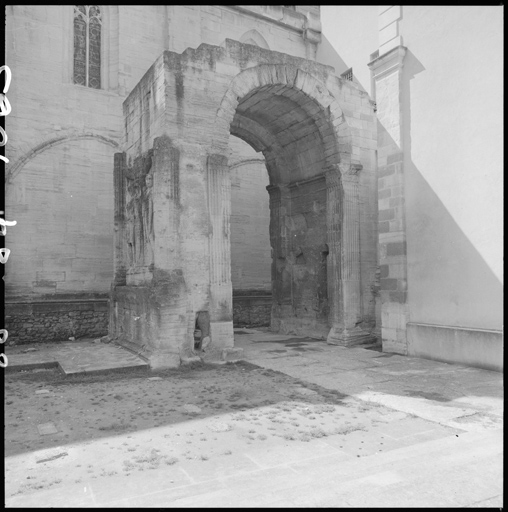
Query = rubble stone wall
x=49 y=321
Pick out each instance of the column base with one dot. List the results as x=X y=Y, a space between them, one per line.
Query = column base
x=221 y=334
x=160 y=360
x=349 y=337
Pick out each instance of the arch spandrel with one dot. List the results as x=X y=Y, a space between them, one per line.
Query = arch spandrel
x=16 y=166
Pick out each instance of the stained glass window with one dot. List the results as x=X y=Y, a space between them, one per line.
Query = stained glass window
x=87 y=45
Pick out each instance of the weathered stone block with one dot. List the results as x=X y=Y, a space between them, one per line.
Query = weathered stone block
x=389 y=284
x=396 y=249
x=397 y=157
x=398 y=296
x=387 y=214
x=232 y=354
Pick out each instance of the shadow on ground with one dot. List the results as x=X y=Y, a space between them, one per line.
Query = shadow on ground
x=92 y=406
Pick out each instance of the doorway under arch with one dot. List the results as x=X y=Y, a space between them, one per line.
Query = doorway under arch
x=291 y=118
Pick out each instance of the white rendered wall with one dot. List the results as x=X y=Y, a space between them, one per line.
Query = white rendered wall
x=453 y=150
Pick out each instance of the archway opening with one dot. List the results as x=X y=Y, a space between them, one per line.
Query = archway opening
x=250 y=236
x=295 y=135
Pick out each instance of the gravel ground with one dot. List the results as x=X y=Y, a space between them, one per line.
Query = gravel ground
x=101 y=425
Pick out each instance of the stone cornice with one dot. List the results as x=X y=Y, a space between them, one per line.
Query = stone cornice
x=306 y=181
x=353 y=168
x=388 y=63
x=309 y=27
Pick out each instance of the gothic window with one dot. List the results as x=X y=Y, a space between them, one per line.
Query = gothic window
x=87 y=45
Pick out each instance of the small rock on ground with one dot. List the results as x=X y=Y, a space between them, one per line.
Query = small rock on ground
x=191 y=408
x=219 y=427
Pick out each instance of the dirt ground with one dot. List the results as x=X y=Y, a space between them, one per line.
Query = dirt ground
x=119 y=423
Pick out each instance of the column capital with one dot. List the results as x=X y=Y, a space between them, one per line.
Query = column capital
x=349 y=171
x=333 y=176
x=387 y=63
x=217 y=162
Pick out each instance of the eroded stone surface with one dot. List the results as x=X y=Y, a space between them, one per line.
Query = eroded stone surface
x=173 y=200
x=47 y=428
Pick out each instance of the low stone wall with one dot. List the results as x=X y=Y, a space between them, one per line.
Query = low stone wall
x=56 y=321
x=252 y=310
x=480 y=348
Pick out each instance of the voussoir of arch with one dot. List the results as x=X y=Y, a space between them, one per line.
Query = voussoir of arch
x=50 y=143
x=264 y=75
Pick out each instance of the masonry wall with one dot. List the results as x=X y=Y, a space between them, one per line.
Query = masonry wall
x=250 y=218
x=453 y=133
x=62 y=138
x=453 y=136
x=440 y=188
x=280 y=28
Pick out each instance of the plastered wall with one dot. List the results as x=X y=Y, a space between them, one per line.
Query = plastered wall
x=453 y=137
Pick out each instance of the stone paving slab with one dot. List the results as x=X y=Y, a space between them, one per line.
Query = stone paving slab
x=285 y=454
x=77 y=357
x=169 y=497
x=111 y=489
x=345 y=381
x=46 y=429
x=335 y=365
x=220 y=468
x=446 y=455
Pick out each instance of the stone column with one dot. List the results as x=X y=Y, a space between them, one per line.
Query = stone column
x=221 y=289
x=119 y=264
x=344 y=291
x=280 y=204
x=119 y=220
x=334 y=226
x=168 y=291
x=275 y=238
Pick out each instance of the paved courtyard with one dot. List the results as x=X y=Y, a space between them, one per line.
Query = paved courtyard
x=296 y=423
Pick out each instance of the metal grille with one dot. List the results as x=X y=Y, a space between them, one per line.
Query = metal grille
x=348 y=75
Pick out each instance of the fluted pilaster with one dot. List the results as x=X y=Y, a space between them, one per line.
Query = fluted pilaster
x=219 y=195
x=344 y=290
x=350 y=261
x=119 y=219
x=334 y=227
x=166 y=204
x=221 y=291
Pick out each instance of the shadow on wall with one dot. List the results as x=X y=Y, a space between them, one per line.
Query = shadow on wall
x=328 y=54
x=449 y=282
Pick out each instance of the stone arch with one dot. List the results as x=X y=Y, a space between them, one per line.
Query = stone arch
x=275 y=88
x=272 y=76
x=255 y=38
x=32 y=152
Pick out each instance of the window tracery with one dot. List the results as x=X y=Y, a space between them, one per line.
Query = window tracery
x=87 y=45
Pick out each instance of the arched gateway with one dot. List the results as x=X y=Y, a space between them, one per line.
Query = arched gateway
x=172 y=198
